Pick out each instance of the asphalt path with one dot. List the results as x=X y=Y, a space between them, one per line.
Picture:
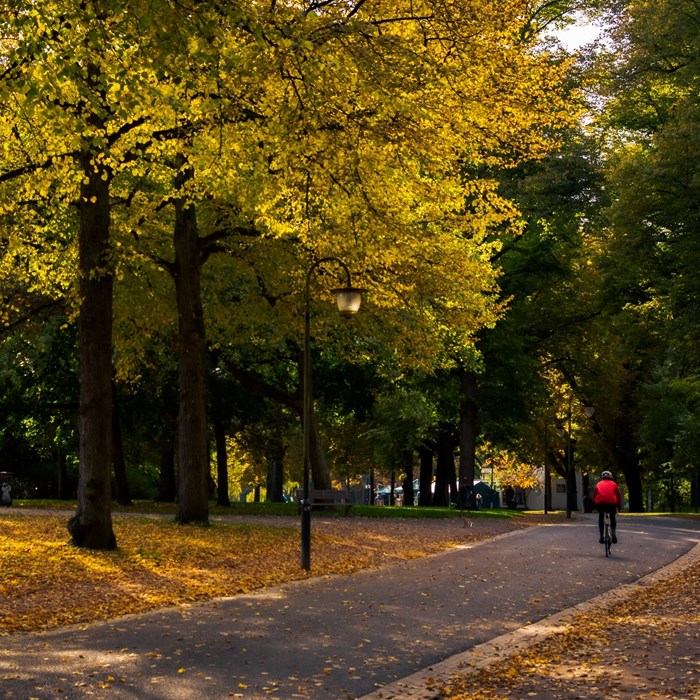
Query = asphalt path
x=331 y=638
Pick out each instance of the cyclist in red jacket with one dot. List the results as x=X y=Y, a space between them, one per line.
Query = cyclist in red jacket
x=607 y=497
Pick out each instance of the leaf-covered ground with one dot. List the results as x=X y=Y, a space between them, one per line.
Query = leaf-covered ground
x=45 y=582
x=645 y=647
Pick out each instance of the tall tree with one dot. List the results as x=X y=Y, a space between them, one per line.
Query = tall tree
x=359 y=159
x=651 y=117
x=332 y=128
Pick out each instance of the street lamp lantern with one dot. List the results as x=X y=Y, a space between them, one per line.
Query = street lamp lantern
x=348 y=299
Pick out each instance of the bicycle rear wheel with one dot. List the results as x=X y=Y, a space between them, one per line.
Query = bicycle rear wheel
x=607 y=536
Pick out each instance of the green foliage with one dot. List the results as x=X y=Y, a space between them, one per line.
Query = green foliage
x=371 y=133
x=635 y=360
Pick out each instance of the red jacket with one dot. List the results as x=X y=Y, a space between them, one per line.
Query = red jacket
x=608 y=492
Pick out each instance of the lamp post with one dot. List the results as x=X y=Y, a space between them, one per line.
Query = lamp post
x=348 y=299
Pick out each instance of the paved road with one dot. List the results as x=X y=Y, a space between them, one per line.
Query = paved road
x=343 y=636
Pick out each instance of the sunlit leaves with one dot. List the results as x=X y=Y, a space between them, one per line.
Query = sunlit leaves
x=338 y=134
x=640 y=647
x=45 y=582
x=508 y=470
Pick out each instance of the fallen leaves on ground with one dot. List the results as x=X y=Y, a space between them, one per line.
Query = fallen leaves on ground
x=45 y=582
x=644 y=647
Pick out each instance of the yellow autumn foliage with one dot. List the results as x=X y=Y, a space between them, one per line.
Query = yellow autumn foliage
x=374 y=135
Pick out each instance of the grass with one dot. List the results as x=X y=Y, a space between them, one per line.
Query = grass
x=288 y=509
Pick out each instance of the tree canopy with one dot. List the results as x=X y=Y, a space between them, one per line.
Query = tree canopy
x=171 y=170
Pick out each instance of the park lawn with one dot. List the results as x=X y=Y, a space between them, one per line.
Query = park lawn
x=46 y=582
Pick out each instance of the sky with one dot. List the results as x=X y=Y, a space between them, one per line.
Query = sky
x=577 y=35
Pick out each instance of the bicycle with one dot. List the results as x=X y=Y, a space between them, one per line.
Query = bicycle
x=607 y=534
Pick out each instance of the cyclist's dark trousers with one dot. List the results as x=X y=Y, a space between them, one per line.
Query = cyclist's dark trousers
x=602 y=509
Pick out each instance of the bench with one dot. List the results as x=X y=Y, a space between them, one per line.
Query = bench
x=329 y=498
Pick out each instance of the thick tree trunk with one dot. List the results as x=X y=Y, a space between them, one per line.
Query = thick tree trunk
x=628 y=460
x=92 y=524
x=275 y=481
x=467 y=439
x=192 y=497
x=633 y=478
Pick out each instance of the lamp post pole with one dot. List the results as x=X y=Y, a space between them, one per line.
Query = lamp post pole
x=348 y=299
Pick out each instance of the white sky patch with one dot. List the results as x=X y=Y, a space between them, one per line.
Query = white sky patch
x=577 y=35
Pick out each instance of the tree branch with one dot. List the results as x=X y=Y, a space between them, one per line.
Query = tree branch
x=260 y=386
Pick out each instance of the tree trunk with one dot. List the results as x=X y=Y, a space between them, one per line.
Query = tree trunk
x=192 y=497
x=63 y=492
x=408 y=495
x=425 y=479
x=319 y=466
x=320 y=476
x=467 y=439
x=92 y=524
x=275 y=485
x=275 y=481
x=628 y=461
x=633 y=478
x=222 y=498
x=445 y=478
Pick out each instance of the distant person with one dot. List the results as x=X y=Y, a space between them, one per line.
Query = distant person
x=479 y=499
x=6 y=498
x=607 y=497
